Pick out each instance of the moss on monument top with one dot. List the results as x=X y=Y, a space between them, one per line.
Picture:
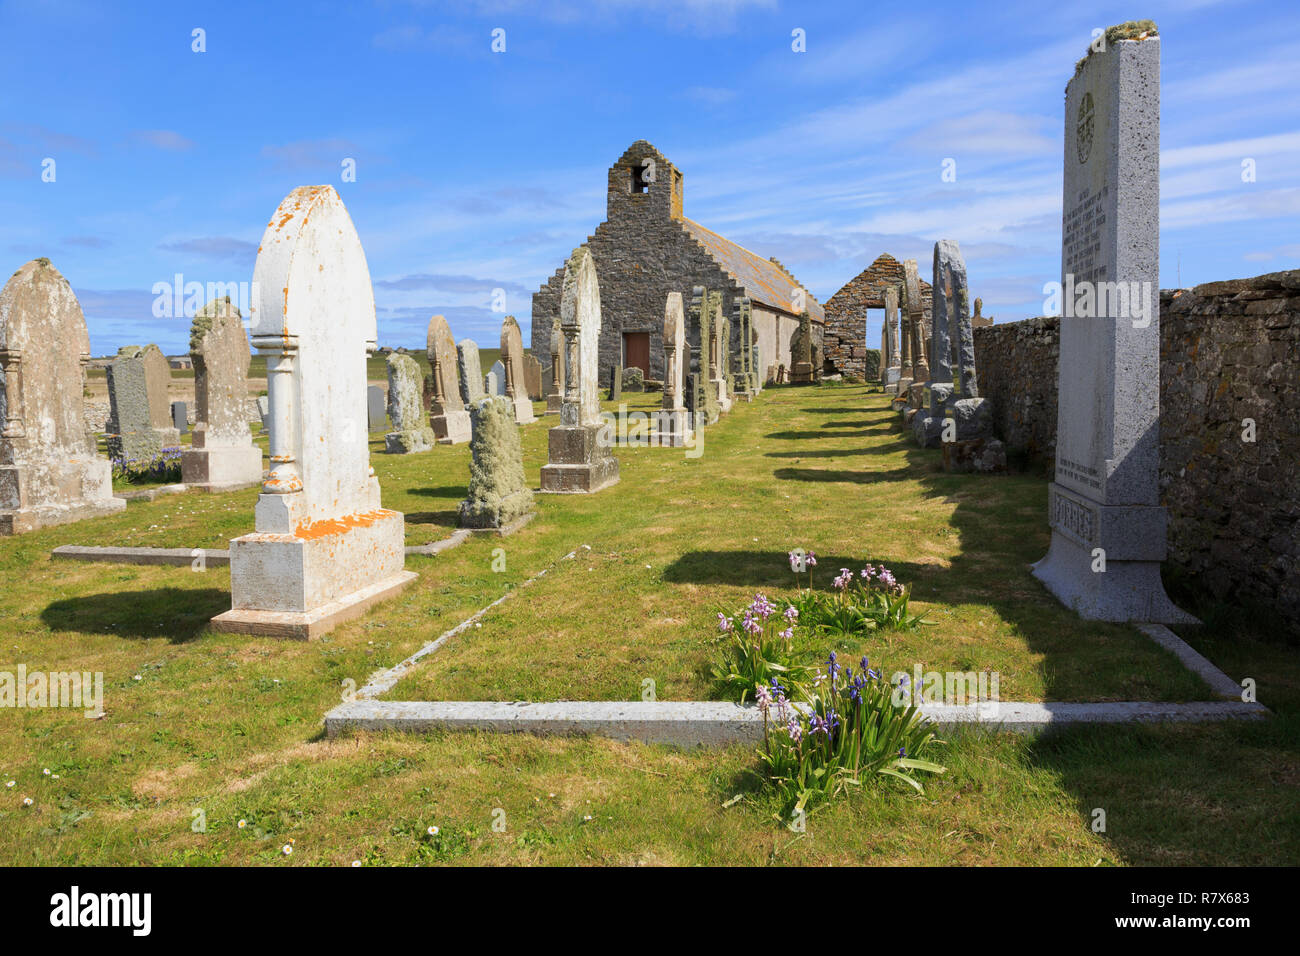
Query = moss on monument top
x=1131 y=30
x=204 y=319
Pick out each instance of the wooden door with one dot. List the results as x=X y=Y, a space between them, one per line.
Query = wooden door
x=636 y=351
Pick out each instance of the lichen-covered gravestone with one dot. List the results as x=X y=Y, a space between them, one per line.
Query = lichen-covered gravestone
x=706 y=398
x=324 y=549
x=447 y=414
x=512 y=368
x=411 y=432
x=222 y=455
x=673 y=420
x=50 y=471
x=498 y=497
x=579 y=447
x=889 y=329
x=140 y=421
x=471 y=373
x=1108 y=526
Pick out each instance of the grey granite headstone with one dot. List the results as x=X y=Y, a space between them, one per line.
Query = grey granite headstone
x=498 y=371
x=139 y=422
x=376 y=408
x=1104 y=505
x=181 y=417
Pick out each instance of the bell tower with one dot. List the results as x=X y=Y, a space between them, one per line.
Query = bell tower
x=644 y=184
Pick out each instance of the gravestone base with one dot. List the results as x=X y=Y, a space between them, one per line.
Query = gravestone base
x=926 y=429
x=578 y=463
x=801 y=374
x=673 y=428
x=976 y=454
x=523 y=411
x=720 y=390
x=221 y=468
x=302 y=585
x=451 y=428
x=1132 y=538
x=142 y=445
x=513 y=512
x=409 y=442
x=86 y=486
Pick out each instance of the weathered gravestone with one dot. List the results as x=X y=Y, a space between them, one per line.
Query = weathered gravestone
x=50 y=471
x=579 y=447
x=721 y=325
x=633 y=379
x=533 y=378
x=745 y=381
x=555 y=397
x=140 y=422
x=801 y=352
x=221 y=456
x=954 y=411
x=498 y=498
x=324 y=549
x=376 y=408
x=181 y=417
x=904 y=380
x=411 y=431
x=448 y=416
x=977 y=320
x=1108 y=527
x=470 y=368
x=674 y=424
x=920 y=372
x=497 y=375
x=889 y=328
x=512 y=367
x=615 y=392
x=264 y=412
x=703 y=359
x=492 y=382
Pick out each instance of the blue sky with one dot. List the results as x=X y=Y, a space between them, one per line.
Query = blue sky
x=478 y=170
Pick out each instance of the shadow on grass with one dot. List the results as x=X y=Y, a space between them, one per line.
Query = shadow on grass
x=446 y=491
x=795 y=436
x=444 y=519
x=179 y=614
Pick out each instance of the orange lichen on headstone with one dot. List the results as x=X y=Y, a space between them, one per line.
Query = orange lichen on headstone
x=312 y=530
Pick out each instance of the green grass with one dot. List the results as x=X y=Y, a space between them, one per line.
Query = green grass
x=230 y=725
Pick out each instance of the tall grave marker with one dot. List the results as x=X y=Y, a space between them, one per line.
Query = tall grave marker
x=1108 y=527
x=221 y=455
x=324 y=548
x=447 y=413
x=50 y=470
x=579 y=455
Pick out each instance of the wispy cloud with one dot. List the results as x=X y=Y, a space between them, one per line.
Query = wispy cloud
x=223 y=248
x=165 y=139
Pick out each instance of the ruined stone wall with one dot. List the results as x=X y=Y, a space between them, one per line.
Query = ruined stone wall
x=1229 y=357
x=846 y=317
x=1015 y=368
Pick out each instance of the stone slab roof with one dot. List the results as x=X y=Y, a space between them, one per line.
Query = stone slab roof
x=764 y=281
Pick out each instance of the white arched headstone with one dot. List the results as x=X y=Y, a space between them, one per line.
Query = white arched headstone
x=324 y=549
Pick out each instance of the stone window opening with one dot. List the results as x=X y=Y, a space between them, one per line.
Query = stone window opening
x=638 y=182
